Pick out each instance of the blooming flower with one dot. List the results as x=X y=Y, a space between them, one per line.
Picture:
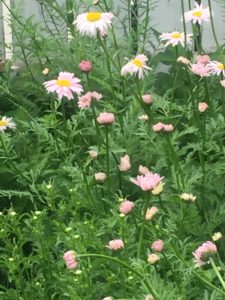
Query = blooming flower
x=168 y=127
x=64 y=85
x=200 y=69
x=86 y=100
x=162 y=127
x=105 y=118
x=147 y=99
x=217 y=236
x=85 y=66
x=93 y=153
x=136 y=66
x=198 y=14
x=157 y=246
x=115 y=244
x=124 y=163
x=203 y=59
x=126 y=207
x=70 y=259
x=188 y=197
x=174 y=38
x=153 y=258
x=222 y=82
x=151 y=212
x=216 y=68
x=100 y=176
x=148 y=181
x=6 y=123
x=183 y=60
x=93 y=22
x=203 y=253
x=202 y=106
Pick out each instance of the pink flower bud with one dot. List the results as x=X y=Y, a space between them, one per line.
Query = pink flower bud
x=147 y=99
x=107 y=298
x=106 y=118
x=203 y=59
x=153 y=258
x=150 y=213
x=126 y=207
x=158 y=127
x=183 y=60
x=125 y=163
x=115 y=245
x=100 y=176
x=168 y=127
x=143 y=170
x=85 y=66
x=93 y=154
x=158 y=246
x=202 y=106
x=149 y=297
x=70 y=259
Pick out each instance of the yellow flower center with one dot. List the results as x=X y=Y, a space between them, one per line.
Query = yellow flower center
x=137 y=62
x=93 y=16
x=3 y=123
x=63 y=82
x=176 y=35
x=197 y=13
x=221 y=66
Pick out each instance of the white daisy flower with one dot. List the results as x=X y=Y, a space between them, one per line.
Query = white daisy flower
x=216 y=68
x=136 y=66
x=6 y=123
x=198 y=14
x=93 y=22
x=174 y=38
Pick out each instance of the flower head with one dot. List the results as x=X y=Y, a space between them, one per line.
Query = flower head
x=202 y=106
x=162 y=127
x=85 y=66
x=158 y=189
x=183 y=60
x=124 y=163
x=93 y=22
x=217 y=236
x=45 y=71
x=203 y=253
x=6 y=123
x=203 y=59
x=64 y=85
x=126 y=207
x=200 y=70
x=175 y=38
x=115 y=244
x=188 y=197
x=149 y=297
x=151 y=212
x=93 y=153
x=153 y=258
x=86 y=100
x=107 y=298
x=148 y=181
x=147 y=99
x=100 y=176
x=70 y=259
x=157 y=246
x=198 y=14
x=216 y=68
x=106 y=118
x=143 y=117
x=143 y=170
x=136 y=66
x=222 y=82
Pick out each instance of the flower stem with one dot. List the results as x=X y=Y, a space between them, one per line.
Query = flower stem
x=141 y=237
x=98 y=136
x=128 y=267
x=217 y=272
x=184 y=25
x=212 y=25
x=107 y=156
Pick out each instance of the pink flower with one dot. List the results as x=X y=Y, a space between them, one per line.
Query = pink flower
x=143 y=170
x=147 y=99
x=100 y=176
x=168 y=127
x=222 y=82
x=203 y=253
x=106 y=118
x=93 y=154
x=148 y=181
x=85 y=66
x=126 y=207
x=158 y=246
x=153 y=258
x=85 y=100
x=70 y=259
x=151 y=212
x=202 y=106
x=158 y=127
x=124 y=163
x=203 y=59
x=64 y=85
x=200 y=70
x=115 y=245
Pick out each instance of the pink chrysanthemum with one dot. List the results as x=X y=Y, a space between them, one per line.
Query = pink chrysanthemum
x=85 y=100
x=115 y=244
x=198 y=14
x=126 y=207
x=216 y=68
x=203 y=253
x=148 y=181
x=70 y=259
x=175 y=38
x=200 y=69
x=64 y=85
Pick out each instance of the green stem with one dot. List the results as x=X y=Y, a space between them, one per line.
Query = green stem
x=98 y=135
x=115 y=260
x=107 y=156
x=184 y=25
x=141 y=237
x=212 y=25
x=217 y=272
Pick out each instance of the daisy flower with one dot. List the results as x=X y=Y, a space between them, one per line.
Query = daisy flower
x=64 y=85
x=198 y=14
x=136 y=66
x=6 y=123
x=216 y=68
x=93 y=22
x=174 y=38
